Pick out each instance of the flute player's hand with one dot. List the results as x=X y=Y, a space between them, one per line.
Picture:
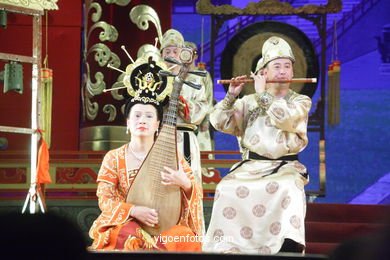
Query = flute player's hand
x=260 y=82
x=234 y=87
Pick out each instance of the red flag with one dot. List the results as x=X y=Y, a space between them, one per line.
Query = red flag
x=43 y=175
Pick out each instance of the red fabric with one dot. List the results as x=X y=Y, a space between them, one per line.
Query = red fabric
x=186 y=110
x=43 y=175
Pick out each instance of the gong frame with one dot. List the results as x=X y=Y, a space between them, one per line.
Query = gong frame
x=317 y=118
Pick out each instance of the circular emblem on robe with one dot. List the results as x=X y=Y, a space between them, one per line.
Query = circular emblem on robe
x=268 y=122
x=281 y=138
x=272 y=187
x=291 y=105
x=300 y=167
x=242 y=192
x=278 y=112
x=275 y=228
x=218 y=233
x=254 y=139
x=179 y=138
x=286 y=201
x=246 y=232
x=258 y=210
x=264 y=250
x=295 y=221
x=229 y=212
x=299 y=184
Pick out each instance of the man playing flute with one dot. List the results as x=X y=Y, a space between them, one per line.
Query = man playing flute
x=260 y=205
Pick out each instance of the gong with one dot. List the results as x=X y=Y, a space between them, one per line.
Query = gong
x=242 y=52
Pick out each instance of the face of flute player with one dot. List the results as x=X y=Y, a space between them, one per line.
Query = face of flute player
x=281 y=68
x=171 y=51
x=143 y=121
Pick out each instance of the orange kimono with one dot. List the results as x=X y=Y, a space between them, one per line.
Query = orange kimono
x=116 y=229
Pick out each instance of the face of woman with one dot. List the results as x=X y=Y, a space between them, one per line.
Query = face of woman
x=142 y=120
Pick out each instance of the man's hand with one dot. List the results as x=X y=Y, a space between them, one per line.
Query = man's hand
x=260 y=82
x=146 y=215
x=234 y=87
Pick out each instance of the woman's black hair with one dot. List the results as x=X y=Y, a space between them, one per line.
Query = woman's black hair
x=129 y=104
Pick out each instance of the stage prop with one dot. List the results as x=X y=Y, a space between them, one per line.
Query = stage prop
x=108 y=26
x=36 y=10
x=244 y=45
x=13 y=77
x=334 y=84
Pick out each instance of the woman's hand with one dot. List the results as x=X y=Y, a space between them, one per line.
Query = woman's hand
x=260 y=82
x=234 y=87
x=176 y=178
x=146 y=215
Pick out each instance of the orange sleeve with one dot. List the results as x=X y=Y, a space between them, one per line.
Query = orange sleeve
x=192 y=214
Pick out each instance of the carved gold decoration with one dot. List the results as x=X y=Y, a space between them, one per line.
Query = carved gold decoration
x=91 y=108
x=33 y=4
x=118 y=2
x=110 y=109
x=102 y=55
x=119 y=83
x=95 y=17
x=148 y=50
x=267 y=7
x=142 y=14
x=109 y=32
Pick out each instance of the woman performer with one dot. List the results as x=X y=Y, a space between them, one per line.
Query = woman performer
x=118 y=227
x=260 y=206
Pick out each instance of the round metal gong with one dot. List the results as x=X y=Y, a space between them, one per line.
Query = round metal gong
x=242 y=52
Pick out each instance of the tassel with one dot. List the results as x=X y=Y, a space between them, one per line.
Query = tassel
x=46 y=100
x=330 y=94
x=336 y=80
x=334 y=83
x=43 y=175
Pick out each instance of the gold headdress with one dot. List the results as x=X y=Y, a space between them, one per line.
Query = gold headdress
x=143 y=82
x=274 y=48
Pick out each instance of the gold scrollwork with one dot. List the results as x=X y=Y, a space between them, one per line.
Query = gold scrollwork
x=118 y=2
x=98 y=12
x=119 y=83
x=110 y=109
x=104 y=56
x=114 y=61
x=109 y=33
x=91 y=108
x=142 y=14
x=94 y=88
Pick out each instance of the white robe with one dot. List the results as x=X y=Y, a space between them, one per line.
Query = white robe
x=254 y=210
